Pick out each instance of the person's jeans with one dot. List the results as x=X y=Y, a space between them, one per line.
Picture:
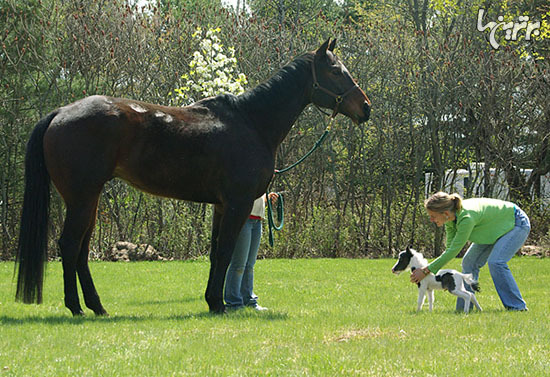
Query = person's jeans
x=497 y=257
x=239 y=282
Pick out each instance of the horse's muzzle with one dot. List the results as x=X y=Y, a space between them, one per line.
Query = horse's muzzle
x=366 y=113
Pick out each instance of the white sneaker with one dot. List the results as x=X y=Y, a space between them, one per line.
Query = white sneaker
x=258 y=308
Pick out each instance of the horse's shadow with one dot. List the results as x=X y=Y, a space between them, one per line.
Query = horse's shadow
x=54 y=320
x=171 y=301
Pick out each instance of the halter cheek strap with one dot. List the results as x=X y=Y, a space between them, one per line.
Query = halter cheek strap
x=339 y=98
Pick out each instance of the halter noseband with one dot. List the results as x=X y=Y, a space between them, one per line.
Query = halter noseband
x=339 y=98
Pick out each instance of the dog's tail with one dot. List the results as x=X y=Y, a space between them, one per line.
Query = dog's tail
x=469 y=278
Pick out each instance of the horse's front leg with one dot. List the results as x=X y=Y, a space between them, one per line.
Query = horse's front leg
x=227 y=226
x=216 y=221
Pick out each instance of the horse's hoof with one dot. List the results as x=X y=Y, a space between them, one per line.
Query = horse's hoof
x=218 y=310
x=78 y=313
x=102 y=313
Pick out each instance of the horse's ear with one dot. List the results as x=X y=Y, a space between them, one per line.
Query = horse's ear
x=332 y=45
x=322 y=51
x=408 y=249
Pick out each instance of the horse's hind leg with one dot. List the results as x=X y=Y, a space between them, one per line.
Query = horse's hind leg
x=91 y=298
x=77 y=223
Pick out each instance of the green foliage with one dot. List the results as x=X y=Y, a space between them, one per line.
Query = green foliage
x=443 y=98
x=289 y=12
x=327 y=317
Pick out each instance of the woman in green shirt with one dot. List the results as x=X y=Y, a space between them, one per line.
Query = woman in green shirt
x=497 y=230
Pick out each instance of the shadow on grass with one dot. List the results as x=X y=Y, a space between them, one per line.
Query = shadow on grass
x=68 y=320
x=170 y=301
x=457 y=312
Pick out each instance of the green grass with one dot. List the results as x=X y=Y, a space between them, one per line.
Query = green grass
x=327 y=317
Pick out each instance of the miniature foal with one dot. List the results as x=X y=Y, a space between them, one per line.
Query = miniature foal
x=449 y=280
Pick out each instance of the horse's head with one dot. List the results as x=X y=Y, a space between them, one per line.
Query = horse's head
x=334 y=88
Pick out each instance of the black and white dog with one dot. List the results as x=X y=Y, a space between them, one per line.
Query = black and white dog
x=449 y=280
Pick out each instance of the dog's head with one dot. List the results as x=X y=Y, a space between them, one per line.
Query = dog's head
x=403 y=261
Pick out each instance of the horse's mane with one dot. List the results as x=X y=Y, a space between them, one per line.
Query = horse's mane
x=288 y=79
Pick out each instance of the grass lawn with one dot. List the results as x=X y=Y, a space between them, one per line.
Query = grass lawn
x=327 y=317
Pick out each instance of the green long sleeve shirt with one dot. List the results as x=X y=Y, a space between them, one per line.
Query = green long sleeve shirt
x=482 y=221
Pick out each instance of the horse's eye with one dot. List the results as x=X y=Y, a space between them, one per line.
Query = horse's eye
x=336 y=71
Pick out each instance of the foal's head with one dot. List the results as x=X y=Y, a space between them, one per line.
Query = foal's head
x=409 y=258
x=334 y=88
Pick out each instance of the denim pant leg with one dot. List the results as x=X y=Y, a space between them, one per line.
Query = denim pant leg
x=233 y=281
x=505 y=248
x=247 y=286
x=473 y=260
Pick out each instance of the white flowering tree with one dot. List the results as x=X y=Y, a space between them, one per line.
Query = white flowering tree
x=212 y=71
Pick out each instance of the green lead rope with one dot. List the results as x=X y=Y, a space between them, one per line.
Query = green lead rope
x=280 y=202
x=317 y=145
x=280 y=215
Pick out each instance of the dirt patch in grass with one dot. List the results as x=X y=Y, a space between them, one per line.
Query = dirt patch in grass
x=367 y=333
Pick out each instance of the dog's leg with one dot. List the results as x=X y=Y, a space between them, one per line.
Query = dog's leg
x=421 y=297
x=431 y=298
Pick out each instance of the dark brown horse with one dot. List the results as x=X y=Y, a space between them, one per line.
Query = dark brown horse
x=220 y=150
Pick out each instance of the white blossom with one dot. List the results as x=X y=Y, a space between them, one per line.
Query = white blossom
x=212 y=70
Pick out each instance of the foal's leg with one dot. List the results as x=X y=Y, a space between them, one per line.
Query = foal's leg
x=91 y=298
x=466 y=296
x=421 y=297
x=431 y=298
x=77 y=222
x=474 y=299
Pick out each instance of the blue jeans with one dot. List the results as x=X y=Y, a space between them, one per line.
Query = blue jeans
x=497 y=256
x=239 y=282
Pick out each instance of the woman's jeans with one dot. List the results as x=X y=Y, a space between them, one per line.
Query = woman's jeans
x=497 y=257
x=239 y=282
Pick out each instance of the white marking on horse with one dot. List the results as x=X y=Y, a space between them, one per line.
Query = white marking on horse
x=167 y=117
x=137 y=108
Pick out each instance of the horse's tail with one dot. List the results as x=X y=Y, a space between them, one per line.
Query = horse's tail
x=469 y=279
x=32 y=250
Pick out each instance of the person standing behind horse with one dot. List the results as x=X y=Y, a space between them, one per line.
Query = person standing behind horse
x=497 y=230
x=239 y=282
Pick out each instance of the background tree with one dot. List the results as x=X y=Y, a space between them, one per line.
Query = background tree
x=443 y=99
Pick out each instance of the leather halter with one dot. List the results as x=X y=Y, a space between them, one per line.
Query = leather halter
x=339 y=98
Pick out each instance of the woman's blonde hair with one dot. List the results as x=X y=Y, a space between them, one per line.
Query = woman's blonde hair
x=441 y=202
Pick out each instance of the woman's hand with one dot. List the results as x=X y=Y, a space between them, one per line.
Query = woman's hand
x=273 y=196
x=417 y=275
